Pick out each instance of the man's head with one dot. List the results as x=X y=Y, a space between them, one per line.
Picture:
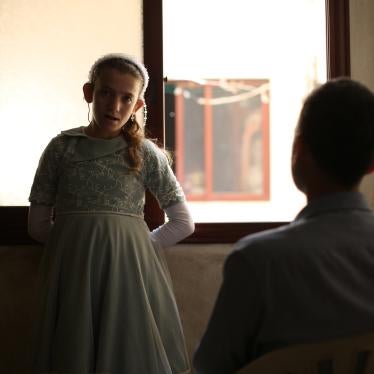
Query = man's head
x=336 y=129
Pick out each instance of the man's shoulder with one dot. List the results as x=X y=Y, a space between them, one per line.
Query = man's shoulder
x=271 y=243
x=302 y=237
x=270 y=236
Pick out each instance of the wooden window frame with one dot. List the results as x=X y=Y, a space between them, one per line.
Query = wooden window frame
x=13 y=219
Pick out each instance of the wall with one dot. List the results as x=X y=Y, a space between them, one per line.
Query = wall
x=362 y=59
x=362 y=40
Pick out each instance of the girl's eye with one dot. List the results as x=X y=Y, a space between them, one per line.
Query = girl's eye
x=127 y=99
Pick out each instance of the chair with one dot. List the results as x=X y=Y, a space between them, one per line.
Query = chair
x=353 y=355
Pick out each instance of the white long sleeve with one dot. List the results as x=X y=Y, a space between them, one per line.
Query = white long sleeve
x=40 y=222
x=179 y=226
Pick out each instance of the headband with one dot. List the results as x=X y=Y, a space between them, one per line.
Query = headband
x=127 y=59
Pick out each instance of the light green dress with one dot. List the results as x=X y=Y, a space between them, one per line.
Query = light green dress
x=107 y=304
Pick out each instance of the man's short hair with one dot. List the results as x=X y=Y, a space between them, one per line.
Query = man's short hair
x=337 y=124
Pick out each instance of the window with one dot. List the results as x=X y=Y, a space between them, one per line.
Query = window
x=226 y=47
x=13 y=218
x=337 y=56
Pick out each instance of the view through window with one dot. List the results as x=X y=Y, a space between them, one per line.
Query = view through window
x=220 y=130
x=236 y=77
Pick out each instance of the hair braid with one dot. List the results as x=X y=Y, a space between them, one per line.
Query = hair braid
x=133 y=134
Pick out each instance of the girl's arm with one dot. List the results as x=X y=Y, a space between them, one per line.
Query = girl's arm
x=40 y=222
x=179 y=226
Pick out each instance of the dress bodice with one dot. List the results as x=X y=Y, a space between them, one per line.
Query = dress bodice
x=81 y=173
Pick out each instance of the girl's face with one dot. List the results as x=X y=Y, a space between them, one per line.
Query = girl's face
x=115 y=98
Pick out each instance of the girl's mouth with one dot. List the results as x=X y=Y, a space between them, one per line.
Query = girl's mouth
x=108 y=116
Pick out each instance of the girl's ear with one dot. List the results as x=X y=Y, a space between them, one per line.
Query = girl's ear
x=138 y=105
x=88 y=92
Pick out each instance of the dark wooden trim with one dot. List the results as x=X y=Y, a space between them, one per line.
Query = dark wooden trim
x=209 y=233
x=13 y=225
x=13 y=229
x=338 y=38
x=153 y=60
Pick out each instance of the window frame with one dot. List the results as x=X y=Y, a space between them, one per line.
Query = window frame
x=13 y=219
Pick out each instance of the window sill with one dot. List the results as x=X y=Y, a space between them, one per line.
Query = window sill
x=13 y=229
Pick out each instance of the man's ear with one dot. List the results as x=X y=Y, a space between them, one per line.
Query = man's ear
x=88 y=92
x=296 y=148
x=370 y=169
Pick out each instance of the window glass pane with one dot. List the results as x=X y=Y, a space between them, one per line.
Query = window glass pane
x=237 y=74
x=46 y=50
x=221 y=137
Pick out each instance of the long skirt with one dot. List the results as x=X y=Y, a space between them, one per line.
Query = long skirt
x=106 y=300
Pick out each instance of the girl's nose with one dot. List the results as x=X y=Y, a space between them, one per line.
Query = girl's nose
x=115 y=104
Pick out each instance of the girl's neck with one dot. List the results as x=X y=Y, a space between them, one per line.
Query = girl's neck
x=93 y=132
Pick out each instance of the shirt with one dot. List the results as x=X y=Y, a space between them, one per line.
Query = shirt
x=308 y=281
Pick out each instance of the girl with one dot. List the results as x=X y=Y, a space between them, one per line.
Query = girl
x=107 y=304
